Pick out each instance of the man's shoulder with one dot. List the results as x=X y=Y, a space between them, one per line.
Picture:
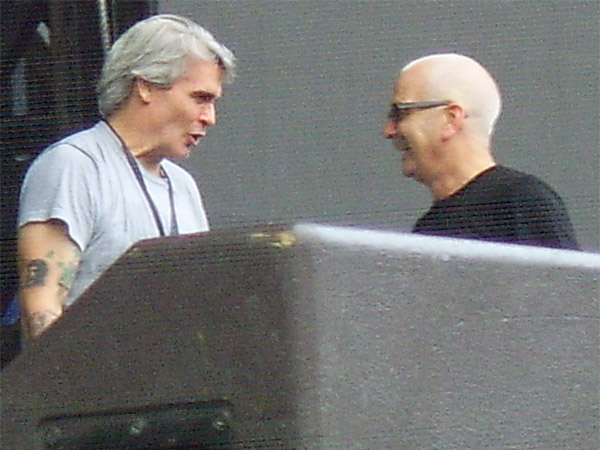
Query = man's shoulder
x=514 y=181
x=525 y=183
x=521 y=189
x=90 y=141
x=87 y=150
x=506 y=174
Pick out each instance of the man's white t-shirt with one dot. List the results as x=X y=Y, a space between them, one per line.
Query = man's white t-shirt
x=86 y=181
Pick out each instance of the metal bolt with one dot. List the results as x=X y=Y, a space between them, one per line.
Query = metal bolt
x=137 y=426
x=219 y=424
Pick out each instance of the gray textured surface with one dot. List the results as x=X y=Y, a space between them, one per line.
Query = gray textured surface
x=439 y=343
x=348 y=338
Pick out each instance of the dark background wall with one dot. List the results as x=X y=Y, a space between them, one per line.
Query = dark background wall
x=300 y=132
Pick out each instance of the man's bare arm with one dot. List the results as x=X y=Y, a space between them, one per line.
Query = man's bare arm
x=48 y=262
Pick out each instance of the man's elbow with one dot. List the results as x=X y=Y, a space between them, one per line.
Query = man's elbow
x=34 y=323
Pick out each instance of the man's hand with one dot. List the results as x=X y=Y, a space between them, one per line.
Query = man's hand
x=48 y=262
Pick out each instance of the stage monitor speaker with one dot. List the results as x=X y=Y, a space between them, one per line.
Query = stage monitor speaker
x=318 y=337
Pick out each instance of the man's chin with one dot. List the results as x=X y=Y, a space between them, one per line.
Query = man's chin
x=408 y=173
x=181 y=155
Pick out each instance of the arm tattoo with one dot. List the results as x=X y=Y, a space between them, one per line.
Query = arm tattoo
x=67 y=276
x=37 y=322
x=36 y=271
x=35 y=274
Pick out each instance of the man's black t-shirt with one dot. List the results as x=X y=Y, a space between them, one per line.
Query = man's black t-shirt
x=503 y=205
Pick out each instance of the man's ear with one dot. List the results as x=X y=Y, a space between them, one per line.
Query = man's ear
x=454 y=118
x=143 y=90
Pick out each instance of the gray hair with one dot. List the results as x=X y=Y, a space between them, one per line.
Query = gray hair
x=157 y=50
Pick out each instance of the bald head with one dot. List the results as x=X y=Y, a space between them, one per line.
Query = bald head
x=457 y=78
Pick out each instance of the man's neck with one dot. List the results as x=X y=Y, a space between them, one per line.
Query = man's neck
x=455 y=181
x=136 y=141
x=464 y=158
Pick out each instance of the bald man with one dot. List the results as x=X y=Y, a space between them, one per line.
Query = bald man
x=442 y=118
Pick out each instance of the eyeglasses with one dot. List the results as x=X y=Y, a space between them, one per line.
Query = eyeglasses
x=399 y=111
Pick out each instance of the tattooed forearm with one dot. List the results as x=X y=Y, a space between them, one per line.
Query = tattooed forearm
x=35 y=273
x=36 y=323
x=67 y=275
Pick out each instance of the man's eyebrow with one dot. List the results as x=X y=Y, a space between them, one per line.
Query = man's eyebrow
x=205 y=94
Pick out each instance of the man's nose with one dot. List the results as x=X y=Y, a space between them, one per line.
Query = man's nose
x=390 y=129
x=208 y=114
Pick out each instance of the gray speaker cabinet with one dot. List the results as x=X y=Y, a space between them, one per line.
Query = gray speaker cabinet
x=318 y=337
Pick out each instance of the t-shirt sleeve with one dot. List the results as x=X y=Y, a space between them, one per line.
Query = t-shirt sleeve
x=60 y=184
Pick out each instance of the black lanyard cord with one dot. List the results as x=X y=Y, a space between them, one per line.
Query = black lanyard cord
x=140 y=179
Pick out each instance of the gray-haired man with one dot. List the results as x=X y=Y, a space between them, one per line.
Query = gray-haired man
x=87 y=198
